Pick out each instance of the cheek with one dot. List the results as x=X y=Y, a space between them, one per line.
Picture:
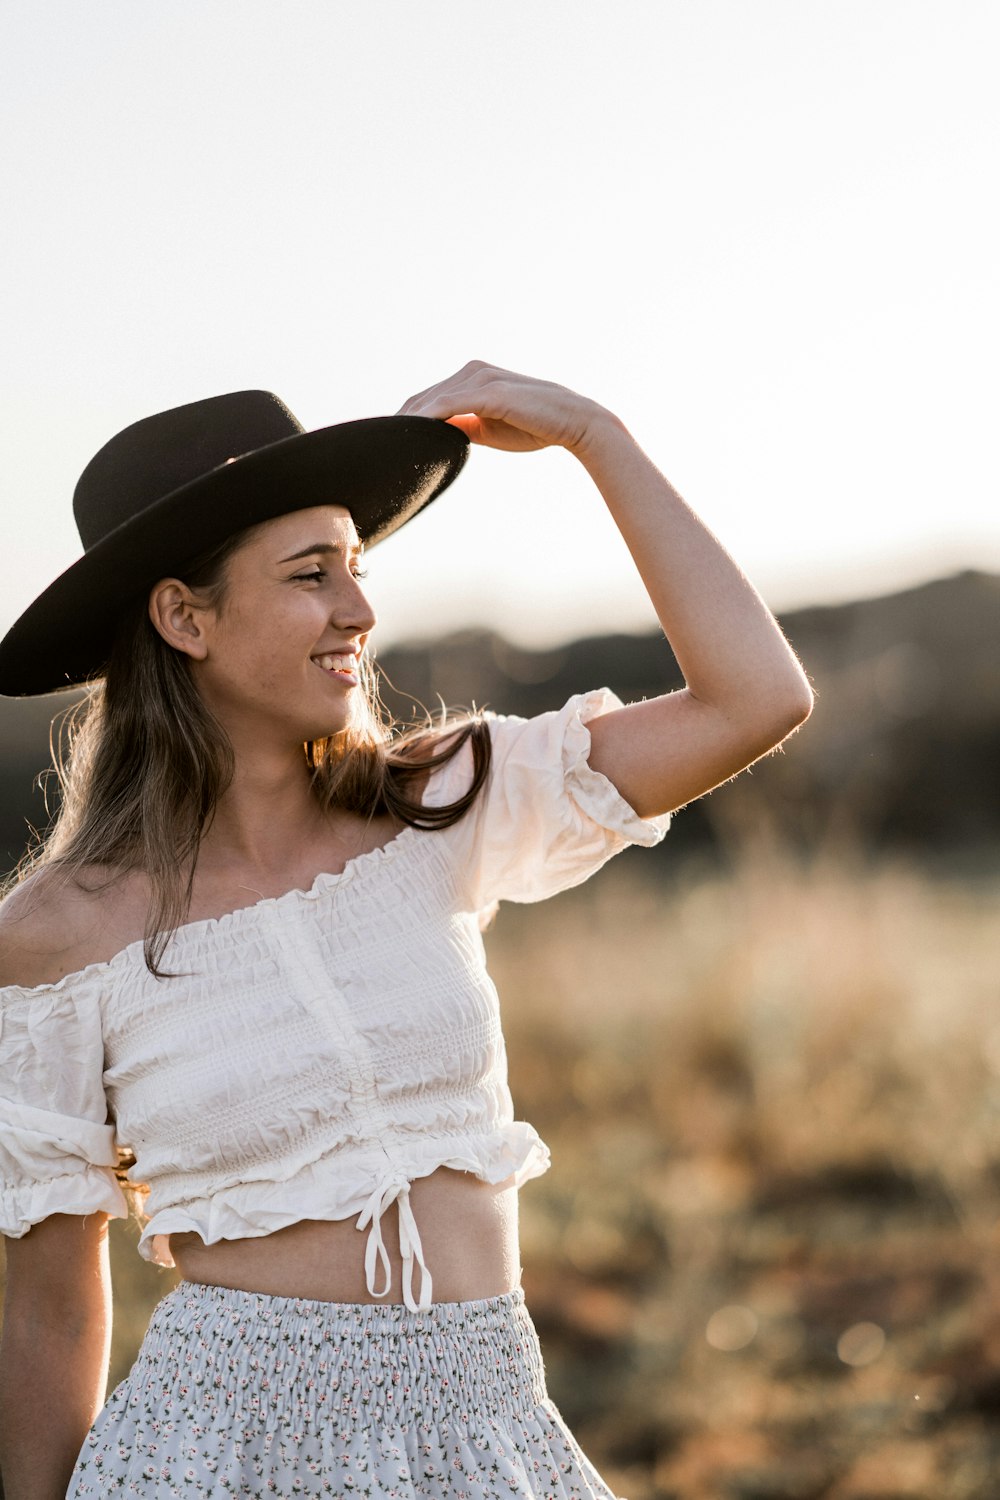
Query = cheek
x=256 y=662
x=275 y=668
x=265 y=645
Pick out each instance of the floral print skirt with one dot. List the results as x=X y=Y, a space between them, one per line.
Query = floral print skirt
x=242 y=1394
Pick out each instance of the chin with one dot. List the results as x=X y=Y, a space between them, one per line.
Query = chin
x=326 y=728
x=324 y=721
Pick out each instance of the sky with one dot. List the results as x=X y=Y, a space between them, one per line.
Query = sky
x=764 y=234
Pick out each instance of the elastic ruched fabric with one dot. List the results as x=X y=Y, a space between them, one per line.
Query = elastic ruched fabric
x=311 y=1055
x=243 y=1394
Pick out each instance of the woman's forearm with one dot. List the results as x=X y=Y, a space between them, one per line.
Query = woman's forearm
x=726 y=641
x=745 y=691
x=54 y=1351
x=52 y=1383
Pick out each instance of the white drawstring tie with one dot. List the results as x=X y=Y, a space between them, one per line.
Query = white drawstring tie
x=395 y=1190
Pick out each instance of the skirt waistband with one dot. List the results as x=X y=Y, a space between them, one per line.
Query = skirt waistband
x=345 y=1364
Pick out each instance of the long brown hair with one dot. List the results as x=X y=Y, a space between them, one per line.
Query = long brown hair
x=142 y=763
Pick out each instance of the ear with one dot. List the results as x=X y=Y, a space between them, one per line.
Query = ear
x=180 y=617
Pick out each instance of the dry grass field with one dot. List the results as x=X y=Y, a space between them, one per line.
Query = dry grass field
x=766 y=1262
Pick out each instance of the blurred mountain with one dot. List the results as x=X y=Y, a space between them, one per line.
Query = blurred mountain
x=902 y=751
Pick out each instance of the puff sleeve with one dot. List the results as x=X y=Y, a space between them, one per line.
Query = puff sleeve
x=546 y=820
x=57 y=1149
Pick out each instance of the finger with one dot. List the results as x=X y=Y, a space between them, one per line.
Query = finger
x=450 y=402
x=412 y=402
x=468 y=423
x=470 y=374
x=486 y=390
x=437 y=403
x=419 y=397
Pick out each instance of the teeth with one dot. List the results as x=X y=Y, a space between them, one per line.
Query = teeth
x=336 y=663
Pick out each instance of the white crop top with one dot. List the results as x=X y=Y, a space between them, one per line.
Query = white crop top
x=321 y=1049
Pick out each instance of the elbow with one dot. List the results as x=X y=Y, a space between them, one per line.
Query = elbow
x=778 y=709
x=800 y=702
x=790 y=706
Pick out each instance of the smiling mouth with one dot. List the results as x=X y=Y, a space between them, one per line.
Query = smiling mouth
x=343 y=668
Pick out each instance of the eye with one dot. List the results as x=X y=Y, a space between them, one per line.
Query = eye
x=313 y=573
x=360 y=572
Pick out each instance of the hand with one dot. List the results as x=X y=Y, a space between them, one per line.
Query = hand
x=517 y=413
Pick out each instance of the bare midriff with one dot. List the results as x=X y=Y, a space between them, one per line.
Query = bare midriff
x=468 y=1231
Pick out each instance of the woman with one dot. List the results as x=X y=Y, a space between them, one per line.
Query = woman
x=260 y=969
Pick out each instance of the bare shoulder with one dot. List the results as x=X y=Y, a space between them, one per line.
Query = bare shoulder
x=58 y=921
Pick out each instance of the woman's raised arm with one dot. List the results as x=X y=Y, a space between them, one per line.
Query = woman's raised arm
x=744 y=689
x=54 y=1351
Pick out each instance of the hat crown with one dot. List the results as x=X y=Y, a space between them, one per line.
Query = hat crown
x=160 y=454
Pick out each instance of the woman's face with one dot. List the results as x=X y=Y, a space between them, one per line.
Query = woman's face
x=282 y=649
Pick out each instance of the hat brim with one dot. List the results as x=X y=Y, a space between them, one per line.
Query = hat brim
x=382 y=469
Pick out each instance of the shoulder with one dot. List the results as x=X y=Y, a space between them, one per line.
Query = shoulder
x=57 y=921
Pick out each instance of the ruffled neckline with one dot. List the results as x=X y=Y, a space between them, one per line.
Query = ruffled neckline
x=239 y=918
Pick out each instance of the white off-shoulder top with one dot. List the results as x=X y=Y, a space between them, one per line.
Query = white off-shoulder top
x=318 y=1051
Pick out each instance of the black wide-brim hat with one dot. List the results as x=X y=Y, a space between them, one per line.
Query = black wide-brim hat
x=177 y=484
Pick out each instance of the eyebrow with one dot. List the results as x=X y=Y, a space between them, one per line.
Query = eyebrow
x=325 y=549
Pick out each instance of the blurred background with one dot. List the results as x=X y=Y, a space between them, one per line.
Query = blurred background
x=767 y=1054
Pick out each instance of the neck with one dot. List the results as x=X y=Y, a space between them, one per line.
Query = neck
x=267 y=817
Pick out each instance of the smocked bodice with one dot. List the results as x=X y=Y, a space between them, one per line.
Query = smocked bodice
x=314 y=1053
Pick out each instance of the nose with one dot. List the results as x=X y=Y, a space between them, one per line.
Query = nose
x=353 y=609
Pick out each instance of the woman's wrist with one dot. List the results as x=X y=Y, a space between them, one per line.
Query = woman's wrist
x=601 y=436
